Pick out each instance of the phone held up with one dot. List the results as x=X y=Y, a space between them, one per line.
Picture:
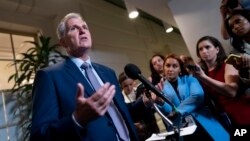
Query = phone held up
x=234 y=60
x=193 y=67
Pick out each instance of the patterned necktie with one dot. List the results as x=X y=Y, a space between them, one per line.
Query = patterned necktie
x=112 y=110
x=90 y=76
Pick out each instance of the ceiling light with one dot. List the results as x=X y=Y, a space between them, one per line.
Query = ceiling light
x=133 y=14
x=168 y=28
x=132 y=11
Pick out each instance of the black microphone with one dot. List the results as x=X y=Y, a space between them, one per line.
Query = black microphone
x=134 y=72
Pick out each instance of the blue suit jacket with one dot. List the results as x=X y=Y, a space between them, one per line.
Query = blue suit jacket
x=192 y=99
x=54 y=100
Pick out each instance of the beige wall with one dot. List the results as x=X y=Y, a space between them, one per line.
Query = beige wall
x=198 y=18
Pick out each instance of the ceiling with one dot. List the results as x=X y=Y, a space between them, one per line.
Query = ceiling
x=156 y=10
x=204 y=18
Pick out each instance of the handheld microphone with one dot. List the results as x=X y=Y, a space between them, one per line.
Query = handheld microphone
x=134 y=72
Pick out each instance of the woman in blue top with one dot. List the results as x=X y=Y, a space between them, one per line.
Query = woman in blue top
x=187 y=95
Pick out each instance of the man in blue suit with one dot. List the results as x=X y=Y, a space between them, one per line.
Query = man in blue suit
x=65 y=104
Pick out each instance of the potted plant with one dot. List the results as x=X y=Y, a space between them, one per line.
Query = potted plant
x=39 y=56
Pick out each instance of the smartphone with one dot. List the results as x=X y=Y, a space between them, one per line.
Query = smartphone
x=234 y=60
x=193 y=67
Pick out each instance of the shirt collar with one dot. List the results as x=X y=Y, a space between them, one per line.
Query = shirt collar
x=79 y=61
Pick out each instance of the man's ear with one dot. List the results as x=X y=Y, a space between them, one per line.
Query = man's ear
x=62 y=42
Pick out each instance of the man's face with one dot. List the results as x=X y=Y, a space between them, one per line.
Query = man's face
x=77 y=39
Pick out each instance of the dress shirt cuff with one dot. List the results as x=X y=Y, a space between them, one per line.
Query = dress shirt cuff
x=77 y=123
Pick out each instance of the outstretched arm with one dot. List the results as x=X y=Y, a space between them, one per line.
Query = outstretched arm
x=228 y=88
x=223 y=12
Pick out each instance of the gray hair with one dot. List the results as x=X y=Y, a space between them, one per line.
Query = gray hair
x=61 y=28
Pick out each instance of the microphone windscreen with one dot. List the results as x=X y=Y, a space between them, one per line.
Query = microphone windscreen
x=132 y=71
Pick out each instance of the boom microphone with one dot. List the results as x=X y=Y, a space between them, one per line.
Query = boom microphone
x=134 y=72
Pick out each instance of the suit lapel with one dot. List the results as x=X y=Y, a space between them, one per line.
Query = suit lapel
x=168 y=88
x=76 y=74
x=100 y=72
x=103 y=75
x=118 y=98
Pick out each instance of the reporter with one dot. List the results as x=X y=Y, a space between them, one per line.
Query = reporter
x=128 y=88
x=187 y=95
x=144 y=120
x=238 y=27
x=221 y=82
x=226 y=8
x=156 y=68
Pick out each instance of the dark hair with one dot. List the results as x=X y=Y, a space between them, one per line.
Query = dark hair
x=182 y=67
x=187 y=60
x=232 y=3
x=236 y=41
x=221 y=56
x=122 y=77
x=155 y=75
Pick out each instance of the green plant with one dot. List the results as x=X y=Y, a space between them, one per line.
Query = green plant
x=36 y=57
